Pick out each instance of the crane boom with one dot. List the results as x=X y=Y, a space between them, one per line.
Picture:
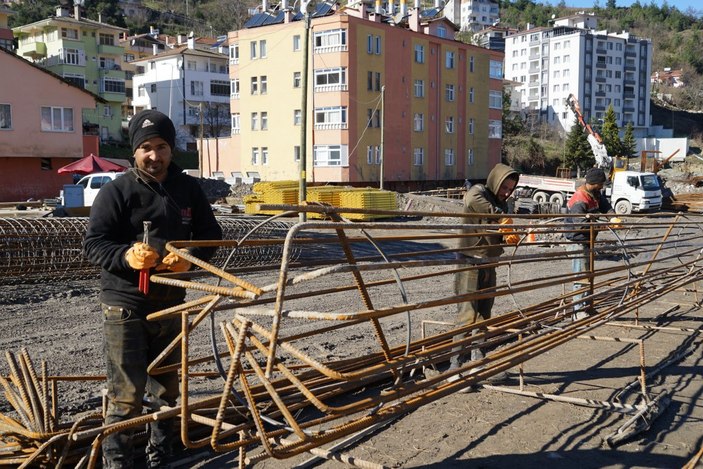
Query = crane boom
x=603 y=160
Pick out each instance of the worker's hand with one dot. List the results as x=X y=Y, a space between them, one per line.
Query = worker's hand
x=511 y=238
x=174 y=263
x=615 y=223
x=141 y=256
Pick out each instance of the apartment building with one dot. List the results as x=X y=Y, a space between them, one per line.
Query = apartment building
x=6 y=35
x=472 y=15
x=86 y=53
x=437 y=101
x=184 y=82
x=573 y=57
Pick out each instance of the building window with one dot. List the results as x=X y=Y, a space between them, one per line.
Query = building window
x=297 y=79
x=234 y=53
x=254 y=85
x=332 y=39
x=67 y=33
x=219 y=88
x=377 y=81
x=113 y=85
x=419 y=88
x=442 y=32
x=369 y=81
x=264 y=120
x=141 y=91
x=297 y=117
x=196 y=88
x=5 y=116
x=56 y=119
x=449 y=124
x=296 y=153
x=471 y=126
x=419 y=122
x=471 y=64
x=108 y=63
x=449 y=157
x=495 y=99
x=78 y=80
x=378 y=45
x=330 y=155
x=254 y=120
x=254 y=155
x=449 y=92
x=262 y=49
x=72 y=56
x=264 y=155
x=296 y=43
x=495 y=129
x=373 y=154
x=496 y=69
x=234 y=88
x=235 y=124
x=193 y=111
x=106 y=39
x=192 y=65
x=331 y=78
x=418 y=156
x=419 y=54
x=263 y=83
x=252 y=50
x=369 y=44
x=470 y=157
x=471 y=94
x=449 y=60
x=331 y=117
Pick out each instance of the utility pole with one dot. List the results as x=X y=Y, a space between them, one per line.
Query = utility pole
x=383 y=120
x=302 y=164
x=200 y=155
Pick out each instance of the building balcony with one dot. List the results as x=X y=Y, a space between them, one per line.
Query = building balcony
x=630 y=53
x=628 y=109
x=336 y=87
x=630 y=81
x=105 y=49
x=534 y=70
x=628 y=95
x=600 y=93
x=113 y=97
x=600 y=79
x=331 y=126
x=630 y=68
x=601 y=65
x=600 y=108
x=36 y=50
x=234 y=95
x=601 y=51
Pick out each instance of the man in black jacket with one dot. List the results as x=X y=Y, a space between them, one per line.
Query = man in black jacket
x=157 y=191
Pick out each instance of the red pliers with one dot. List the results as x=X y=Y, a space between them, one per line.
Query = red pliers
x=144 y=273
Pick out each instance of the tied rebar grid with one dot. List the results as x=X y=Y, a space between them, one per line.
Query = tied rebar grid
x=36 y=250
x=290 y=384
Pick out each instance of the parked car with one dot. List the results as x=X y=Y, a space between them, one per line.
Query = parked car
x=89 y=185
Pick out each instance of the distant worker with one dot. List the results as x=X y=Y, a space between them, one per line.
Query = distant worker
x=586 y=201
x=490 y=198
x=155 y=191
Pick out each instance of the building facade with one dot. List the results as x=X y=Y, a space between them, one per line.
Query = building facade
x=410 y=96
x=40 y=131
x=472 y=15
x=572 y=57
x=186 y=83
x=88 y=54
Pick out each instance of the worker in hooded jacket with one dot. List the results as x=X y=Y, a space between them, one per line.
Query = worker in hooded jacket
x=491 y=198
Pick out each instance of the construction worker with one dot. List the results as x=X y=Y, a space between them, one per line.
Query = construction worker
x=491 y=198
x=586 y=201
x=157 y=192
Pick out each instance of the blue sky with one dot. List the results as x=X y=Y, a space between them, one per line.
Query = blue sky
x=682 y=5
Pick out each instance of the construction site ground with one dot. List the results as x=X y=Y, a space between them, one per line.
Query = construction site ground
x=61 y=323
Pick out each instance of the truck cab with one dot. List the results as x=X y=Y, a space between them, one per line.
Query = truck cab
x=634 y=191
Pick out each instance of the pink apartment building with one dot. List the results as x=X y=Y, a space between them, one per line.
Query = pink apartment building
x=40 y=129
x=438 y=101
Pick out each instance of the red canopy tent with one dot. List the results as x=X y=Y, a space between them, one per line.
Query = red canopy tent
x=91 y=164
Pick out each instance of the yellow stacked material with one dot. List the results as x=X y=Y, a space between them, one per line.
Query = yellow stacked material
x=325 y=195
x=371 y=199
x=265 y=186
x=271 y=192
x=250 y=202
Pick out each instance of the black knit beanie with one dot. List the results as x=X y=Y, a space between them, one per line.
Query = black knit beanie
x=595 y=176
x=148 y=124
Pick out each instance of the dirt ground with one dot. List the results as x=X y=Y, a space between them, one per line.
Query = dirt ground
x=61 y=323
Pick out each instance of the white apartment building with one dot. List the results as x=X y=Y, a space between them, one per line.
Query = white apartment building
x=180 y=82
x=472 y=15
x=597 y=67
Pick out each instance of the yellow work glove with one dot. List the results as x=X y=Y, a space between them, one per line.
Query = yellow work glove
x=615 y=223
x=141 y=256
x=174 y=263
x=511 y=238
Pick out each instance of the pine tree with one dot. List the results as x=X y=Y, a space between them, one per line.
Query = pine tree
x=629 y=147
x=611 y=134
x=578 y=153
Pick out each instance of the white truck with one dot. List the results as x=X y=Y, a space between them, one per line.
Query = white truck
x=628 y=191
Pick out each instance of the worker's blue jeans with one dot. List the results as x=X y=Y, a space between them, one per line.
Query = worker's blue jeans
x=579 y=264
x=130 y=344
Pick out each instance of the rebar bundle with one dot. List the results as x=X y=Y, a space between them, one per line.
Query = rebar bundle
x=51 y=249
x=282 y=396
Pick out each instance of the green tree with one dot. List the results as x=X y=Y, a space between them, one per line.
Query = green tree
x=109 y=12
x=512 y=123
x=577 y=151
x=629 y=146
x=610 y=133
x=30 y=11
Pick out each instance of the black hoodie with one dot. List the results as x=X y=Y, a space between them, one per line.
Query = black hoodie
x=177 y=209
